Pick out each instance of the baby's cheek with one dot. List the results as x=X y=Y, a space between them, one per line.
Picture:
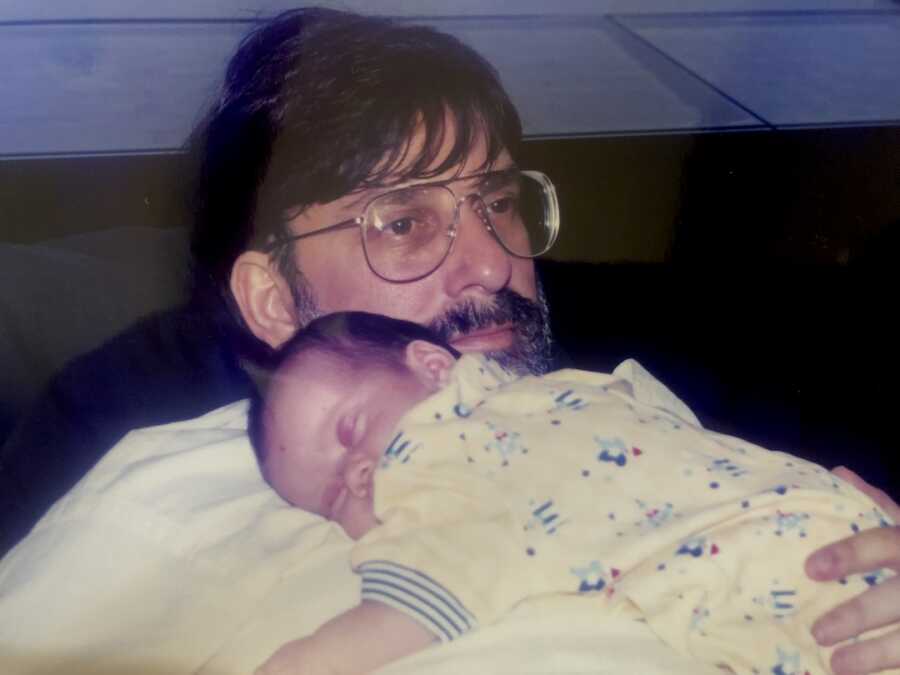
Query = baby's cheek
x=329 y=496
x=359 y=518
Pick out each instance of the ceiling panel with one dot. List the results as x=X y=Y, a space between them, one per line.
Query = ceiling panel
x=800 y=69
x=114 y=87
x=109 y=87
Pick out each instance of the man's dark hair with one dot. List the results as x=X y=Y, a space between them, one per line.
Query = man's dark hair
x=359 y=339
x=318 y=103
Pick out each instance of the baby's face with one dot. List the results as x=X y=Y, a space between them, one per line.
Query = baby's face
x=327 y=426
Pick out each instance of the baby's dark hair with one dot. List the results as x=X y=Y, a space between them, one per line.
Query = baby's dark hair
x=359 y=339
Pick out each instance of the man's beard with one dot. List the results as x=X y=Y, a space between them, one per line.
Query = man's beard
x=532 y=350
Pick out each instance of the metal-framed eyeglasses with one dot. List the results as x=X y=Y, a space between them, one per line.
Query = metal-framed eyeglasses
x=408 y=232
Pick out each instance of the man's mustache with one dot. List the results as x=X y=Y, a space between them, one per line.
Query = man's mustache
x=506 y=307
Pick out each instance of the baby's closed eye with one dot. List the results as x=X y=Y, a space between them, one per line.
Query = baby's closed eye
x=351 y=428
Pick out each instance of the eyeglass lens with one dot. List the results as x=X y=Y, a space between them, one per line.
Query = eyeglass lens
x=407 y=232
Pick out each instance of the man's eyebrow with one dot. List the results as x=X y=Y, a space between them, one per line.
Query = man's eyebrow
x=480 y=177
x=498 y=178
x=367 y=194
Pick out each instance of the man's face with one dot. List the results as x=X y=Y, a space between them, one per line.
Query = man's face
x=480 y=299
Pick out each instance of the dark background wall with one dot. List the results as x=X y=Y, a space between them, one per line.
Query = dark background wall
x=803 y=196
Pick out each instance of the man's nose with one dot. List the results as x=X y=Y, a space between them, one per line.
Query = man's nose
x=477 y=260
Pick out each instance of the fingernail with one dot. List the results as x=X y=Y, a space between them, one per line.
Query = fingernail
x=822 y=563
x=820 y=633
x=842 y=662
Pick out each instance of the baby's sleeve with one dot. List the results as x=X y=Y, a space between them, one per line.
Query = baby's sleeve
x=447 y=554
x=736 y=594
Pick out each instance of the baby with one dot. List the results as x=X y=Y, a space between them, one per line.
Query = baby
x=470 y=490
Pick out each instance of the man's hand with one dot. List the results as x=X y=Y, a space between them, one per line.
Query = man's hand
x=876 y=607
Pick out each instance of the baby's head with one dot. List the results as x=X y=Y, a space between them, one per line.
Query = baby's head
x=327 y=410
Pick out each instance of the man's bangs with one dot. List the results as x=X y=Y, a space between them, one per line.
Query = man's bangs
x=466 y=124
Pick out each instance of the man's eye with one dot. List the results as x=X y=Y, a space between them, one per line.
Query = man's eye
x=401 y=226
x=502 y=205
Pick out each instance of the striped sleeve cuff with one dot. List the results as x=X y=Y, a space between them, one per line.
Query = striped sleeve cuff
x=418 y=596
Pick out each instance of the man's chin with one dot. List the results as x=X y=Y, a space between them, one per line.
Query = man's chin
x=512 y=330
x=528 y=359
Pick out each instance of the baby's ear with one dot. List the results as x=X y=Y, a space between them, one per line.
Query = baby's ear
x=429 y=362
x=358 y=475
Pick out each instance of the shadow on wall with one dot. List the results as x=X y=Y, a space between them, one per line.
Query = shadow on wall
x=815 y=196
x=82 y=289
x=880 y=252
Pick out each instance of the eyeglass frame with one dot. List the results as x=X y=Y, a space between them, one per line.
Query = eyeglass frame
x=360 y=221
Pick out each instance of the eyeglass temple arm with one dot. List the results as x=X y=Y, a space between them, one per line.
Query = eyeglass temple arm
x=343 y=225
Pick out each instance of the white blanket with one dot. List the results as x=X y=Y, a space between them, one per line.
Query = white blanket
x=172 y=556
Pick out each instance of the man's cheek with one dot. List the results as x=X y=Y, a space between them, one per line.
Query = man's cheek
x=524 y=280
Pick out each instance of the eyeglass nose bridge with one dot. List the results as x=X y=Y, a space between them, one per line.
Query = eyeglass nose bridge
x=480 y=209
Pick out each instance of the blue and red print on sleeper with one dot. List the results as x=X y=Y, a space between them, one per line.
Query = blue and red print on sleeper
x=505 y=443
x=787 y=662
x=790 y=523
x=696 y=547
x=399 y=450
x=566 y=400
x=871 y=518
x=876 y=577
x=653 y=517
x=615 y=450
x=462 y=410
x=594 y=577
x=544 y=516
x=727 y=467
x=699 y=617
x=779 y=601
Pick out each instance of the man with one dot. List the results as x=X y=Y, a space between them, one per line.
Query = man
x=448 y=119
x=324 y=122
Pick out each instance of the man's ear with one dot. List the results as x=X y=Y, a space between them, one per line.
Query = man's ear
x=430 y=363
x=264 y=298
